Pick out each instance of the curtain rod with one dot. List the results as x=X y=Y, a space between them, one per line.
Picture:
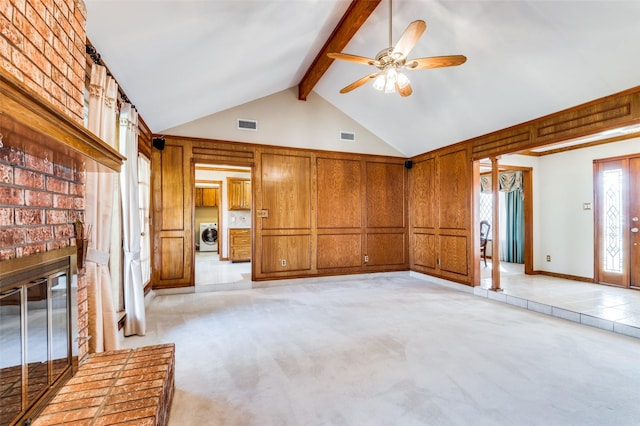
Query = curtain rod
x=97 y=59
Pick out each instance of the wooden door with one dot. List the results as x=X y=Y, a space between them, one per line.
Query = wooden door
x=617 y=221
x=172 y=210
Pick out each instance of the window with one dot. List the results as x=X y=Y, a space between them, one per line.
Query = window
x=144 y=192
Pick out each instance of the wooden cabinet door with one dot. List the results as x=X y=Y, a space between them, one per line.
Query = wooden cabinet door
x=239 y=195
x=246 y=194
x=199 y=195
x=209 y=197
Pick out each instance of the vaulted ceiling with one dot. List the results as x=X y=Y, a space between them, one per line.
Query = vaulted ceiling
x=182 y=60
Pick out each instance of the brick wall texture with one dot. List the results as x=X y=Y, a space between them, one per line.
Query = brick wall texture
x=42 y=43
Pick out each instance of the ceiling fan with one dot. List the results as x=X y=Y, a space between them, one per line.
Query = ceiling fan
x=392 y=60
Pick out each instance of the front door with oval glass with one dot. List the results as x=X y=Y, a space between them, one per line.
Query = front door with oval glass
x=617 y=221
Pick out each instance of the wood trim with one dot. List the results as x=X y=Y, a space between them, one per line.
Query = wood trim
x=23 y=112
x=144 y=138
x=223 y=169
x=565 y=276
x=197 y=181
x=579 y=146
x=352 y=20
x=527 y=176
x=610 y=112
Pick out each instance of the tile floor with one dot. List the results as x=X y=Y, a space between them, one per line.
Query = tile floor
x=603 y=306
x=212 y=274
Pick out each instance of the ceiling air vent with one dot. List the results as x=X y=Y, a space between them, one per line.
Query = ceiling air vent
x=347 y=136
x=244 y=124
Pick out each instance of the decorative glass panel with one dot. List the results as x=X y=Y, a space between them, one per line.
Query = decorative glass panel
x=486 y=207
x=612 y=189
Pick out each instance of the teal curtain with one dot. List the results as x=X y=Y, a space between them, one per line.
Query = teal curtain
x=514 y=250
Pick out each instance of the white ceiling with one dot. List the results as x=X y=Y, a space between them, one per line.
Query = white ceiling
x=181 y=60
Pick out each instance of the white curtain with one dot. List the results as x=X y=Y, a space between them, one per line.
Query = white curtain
x=135 y=322
x=103 y=322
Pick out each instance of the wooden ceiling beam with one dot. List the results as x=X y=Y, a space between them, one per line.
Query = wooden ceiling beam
x=352 y=20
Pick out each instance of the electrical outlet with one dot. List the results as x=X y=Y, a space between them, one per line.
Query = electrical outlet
x=284 y=262
x=548 y=258
x=366 y=258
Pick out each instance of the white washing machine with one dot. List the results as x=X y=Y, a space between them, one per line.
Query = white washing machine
x=208 y=236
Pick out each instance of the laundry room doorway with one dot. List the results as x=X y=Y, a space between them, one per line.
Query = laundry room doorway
x=216 y=219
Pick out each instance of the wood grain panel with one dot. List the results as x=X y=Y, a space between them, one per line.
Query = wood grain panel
x=424 y=250
x=385 y=195
x=286 y=191
x=454 y=183
x=339 y=203
x=173 y=188
x=509 y=140
x=172 y=258
x=294 y=249
x=453 y=254
x=339 y=251
x=607 y=113
x=386 y=249
x=422 y=178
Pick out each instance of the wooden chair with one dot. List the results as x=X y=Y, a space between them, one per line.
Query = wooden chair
x=484 y=236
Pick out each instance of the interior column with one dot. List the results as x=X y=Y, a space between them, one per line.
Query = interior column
x=495 y=227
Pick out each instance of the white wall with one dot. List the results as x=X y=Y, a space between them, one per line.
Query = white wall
x=285 y=121
x=562 y=183
x=235 y=218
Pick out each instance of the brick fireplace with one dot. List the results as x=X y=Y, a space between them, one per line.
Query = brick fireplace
x=45 y=150
x=42 y=46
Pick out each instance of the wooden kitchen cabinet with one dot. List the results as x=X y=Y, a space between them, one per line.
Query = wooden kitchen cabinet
x=210 y=197
x=239 y=244
x=206 y=197
x=239 y=193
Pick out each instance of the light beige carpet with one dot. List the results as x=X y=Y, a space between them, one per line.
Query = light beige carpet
x=392 y=350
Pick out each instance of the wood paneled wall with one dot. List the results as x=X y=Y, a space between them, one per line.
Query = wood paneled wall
x=323 y=212
x=441 y=219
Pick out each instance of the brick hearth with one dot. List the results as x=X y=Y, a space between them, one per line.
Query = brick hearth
x=131 y=386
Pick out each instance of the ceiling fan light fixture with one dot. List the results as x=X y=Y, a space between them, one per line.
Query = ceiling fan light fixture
x=403 y=80
x=387 y=80
x=390 y=75
x=379 y=82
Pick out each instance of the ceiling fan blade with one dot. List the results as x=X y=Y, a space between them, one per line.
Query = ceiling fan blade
x=352 y=58
x=359 y=83
x=409 y=38
x=404 y=91
x=435 y=62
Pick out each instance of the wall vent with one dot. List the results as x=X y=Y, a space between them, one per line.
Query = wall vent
x=244 y=124
x=347 y=136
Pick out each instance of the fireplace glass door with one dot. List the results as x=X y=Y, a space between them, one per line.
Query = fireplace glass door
x=35 y=343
